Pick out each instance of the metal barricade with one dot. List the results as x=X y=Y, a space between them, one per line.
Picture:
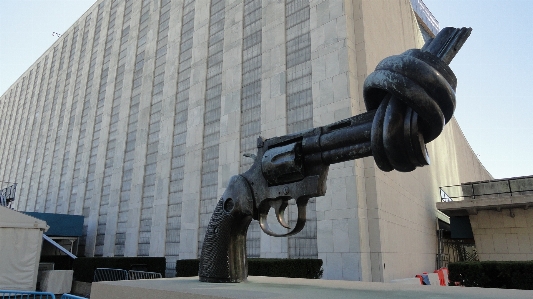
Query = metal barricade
x=109 y=274
x=134 y=275
x=69 y=296
x=12 y=294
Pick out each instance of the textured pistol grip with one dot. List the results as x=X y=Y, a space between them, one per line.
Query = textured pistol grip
x=223 y=257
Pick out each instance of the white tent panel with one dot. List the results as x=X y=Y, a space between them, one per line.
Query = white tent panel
x=20 y=249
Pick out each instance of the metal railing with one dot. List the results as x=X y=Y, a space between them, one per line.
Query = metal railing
x=12 y=294
x=108 y=274
x=69 y=296
x=134 y=275
x=507 y=187
x=7 y=195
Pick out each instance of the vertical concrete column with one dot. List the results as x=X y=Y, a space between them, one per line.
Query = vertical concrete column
x=273 y=97
x=32 y=135
x=74 y=206
x=24 y=165
x=56 y=154
x=14 y=112
x=7 y=107
x=3 y=102
x=41 y=150
x=14 y=116
x=20 y=163
x=12 y=172
x=250 y=124
x=96 y=194
x=356 y=58
x=143 y=121
x=17 y=130
x=30 y=191
x=338 y=229
x=118 y=206
x=5 y=99
x=9 y=172
x=195 y=127
x=50 y=130
x=183 y=39
x=369 y=218
x=166 y=130
x=68 y=92
x=230 y=115
x=91 y=105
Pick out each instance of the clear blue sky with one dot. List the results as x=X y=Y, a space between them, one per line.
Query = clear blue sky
x=494 y=68
x=494 y=72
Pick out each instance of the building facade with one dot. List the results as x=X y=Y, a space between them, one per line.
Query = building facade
x=140 y=113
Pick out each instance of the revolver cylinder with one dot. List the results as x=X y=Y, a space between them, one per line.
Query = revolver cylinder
x=283 y=164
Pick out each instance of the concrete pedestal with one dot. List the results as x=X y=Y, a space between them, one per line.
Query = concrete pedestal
x=286 y=288
x=56 y=281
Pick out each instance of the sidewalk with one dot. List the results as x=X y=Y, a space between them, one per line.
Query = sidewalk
x=289 y=288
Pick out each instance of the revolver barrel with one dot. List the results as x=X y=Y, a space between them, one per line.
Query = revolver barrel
x=342 y=141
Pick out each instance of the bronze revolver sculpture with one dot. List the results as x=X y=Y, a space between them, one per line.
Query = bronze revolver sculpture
x=409 y=98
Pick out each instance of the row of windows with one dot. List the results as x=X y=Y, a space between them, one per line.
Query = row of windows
x=83 y=92
x=209 y=174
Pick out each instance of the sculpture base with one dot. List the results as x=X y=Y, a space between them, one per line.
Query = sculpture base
x=286 y=288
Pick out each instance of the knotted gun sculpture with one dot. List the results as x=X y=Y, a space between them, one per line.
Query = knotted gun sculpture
x=409 y=98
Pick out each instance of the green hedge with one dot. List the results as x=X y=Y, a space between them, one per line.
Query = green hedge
x=187 y=268
x=84 y=266
x=294 y=268
x=491 y=274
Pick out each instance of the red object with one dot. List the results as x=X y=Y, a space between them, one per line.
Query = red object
x=443 y=276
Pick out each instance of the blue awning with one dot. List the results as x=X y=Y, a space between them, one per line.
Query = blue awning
x=61 y=225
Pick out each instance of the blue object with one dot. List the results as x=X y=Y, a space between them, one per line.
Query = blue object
x=69 y=296
x=61 y=225
x=425 y=279
x=8 y=294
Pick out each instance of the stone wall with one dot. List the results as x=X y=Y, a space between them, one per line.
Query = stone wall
x=506 y=235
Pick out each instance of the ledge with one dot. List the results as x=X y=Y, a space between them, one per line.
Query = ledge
x=472 y=206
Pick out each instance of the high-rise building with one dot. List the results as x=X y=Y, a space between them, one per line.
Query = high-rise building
x=140 y=113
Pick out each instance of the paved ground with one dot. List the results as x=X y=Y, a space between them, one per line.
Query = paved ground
x=285 y=288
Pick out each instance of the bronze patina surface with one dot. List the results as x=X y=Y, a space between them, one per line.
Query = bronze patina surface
x=409 y=98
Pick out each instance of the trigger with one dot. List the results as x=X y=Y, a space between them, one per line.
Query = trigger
x=264 y=225
x=300 y=223
x=279 y=207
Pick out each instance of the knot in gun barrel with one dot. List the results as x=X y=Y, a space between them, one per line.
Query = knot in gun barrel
x=414 y=94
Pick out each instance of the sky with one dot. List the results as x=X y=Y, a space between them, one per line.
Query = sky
x=494 y=73
x=494 y=67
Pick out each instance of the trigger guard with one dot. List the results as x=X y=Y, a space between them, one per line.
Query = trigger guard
x=300 y=223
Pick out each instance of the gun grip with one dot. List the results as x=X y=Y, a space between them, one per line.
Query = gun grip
x=223 y=257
